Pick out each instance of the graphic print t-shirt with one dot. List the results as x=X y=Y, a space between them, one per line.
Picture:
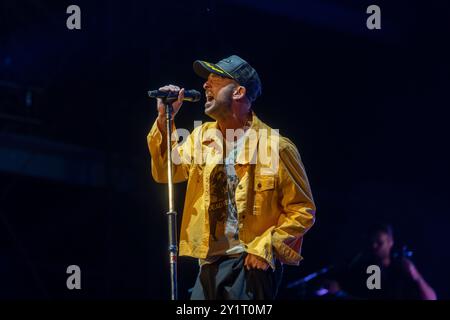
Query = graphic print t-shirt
x=223 y=216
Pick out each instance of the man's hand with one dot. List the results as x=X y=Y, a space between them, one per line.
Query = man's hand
x=255 y=262
x=176 y=104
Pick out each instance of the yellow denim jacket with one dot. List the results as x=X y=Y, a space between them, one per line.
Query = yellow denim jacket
x=274 y=203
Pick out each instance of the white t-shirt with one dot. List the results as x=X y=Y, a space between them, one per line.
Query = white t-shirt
x=224 y=222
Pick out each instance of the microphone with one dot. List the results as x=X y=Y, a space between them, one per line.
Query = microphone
x=189 y=95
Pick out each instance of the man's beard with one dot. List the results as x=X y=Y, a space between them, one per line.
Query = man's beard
x=217 y=108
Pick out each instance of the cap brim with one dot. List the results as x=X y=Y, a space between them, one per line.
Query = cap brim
x=204 y=69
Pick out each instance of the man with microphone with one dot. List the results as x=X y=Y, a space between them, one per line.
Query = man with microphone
x=245 y=213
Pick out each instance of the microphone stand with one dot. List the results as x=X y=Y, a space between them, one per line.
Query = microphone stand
x=171 y=214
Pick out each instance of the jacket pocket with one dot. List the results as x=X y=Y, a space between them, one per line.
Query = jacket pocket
x=263 y=188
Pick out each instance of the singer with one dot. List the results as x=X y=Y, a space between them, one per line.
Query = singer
x=243 y=218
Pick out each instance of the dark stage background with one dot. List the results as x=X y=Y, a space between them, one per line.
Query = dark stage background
x=367 y=109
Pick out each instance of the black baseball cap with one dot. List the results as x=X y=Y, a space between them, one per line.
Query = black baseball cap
x=233 y=67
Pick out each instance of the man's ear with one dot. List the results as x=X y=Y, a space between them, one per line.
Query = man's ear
x=239 y=92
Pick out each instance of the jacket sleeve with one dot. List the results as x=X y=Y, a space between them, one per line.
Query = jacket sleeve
x=298 y=208
x=284 y=239
x=156 y=141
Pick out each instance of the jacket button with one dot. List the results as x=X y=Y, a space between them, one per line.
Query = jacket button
x=259 y=185
x=240 y=187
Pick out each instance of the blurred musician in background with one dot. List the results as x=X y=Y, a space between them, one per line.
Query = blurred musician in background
x=400 y=278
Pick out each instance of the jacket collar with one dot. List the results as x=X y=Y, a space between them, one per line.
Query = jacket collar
x=248 y=152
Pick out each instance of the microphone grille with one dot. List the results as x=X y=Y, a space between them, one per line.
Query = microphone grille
x=194 y=95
